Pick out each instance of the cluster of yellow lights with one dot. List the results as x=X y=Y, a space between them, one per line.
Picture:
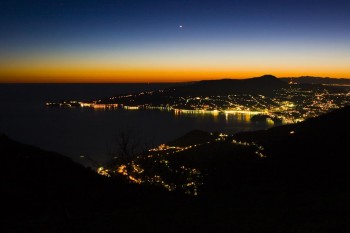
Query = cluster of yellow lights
x=191 y=187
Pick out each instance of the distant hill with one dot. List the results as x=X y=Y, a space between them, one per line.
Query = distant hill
x=226 y=94
x=260 y=85
x=318 y=80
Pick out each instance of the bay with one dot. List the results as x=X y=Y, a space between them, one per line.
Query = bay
x=76 y=132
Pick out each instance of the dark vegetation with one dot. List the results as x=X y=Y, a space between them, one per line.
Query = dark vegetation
x=301 y=186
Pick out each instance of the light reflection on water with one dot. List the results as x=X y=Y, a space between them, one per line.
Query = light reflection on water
x=75 y=132
x=81 y=132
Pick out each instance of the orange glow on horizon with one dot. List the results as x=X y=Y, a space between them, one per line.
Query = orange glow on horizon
x=178 y=64
x=50 y=75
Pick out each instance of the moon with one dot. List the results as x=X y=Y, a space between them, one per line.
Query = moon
x=180 y=26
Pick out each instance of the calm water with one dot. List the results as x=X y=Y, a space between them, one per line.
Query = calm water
x=76 y=132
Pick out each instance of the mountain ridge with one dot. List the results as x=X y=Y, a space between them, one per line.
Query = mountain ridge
x=264 y=85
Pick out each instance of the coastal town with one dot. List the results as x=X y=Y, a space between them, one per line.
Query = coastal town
x=285 y=105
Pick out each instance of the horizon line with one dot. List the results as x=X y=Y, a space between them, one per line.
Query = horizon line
x=137 y=81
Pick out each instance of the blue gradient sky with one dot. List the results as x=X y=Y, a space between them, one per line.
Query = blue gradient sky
x=133 y=40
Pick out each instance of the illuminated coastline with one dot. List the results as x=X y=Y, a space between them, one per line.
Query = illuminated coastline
x=289 y=105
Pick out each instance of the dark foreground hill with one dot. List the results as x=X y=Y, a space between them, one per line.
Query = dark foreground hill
x=43 y=191
x=301 y=186
x=317 y=143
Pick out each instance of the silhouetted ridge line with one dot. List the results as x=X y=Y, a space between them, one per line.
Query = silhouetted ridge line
x=263 y=85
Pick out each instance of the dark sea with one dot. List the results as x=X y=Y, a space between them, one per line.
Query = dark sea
x=76 y=132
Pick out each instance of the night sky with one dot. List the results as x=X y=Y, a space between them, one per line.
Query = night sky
x=161 y=41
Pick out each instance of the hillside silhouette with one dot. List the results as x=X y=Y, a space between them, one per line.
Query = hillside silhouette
x=301 y=185
x=259 y=85
x=43 y=191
